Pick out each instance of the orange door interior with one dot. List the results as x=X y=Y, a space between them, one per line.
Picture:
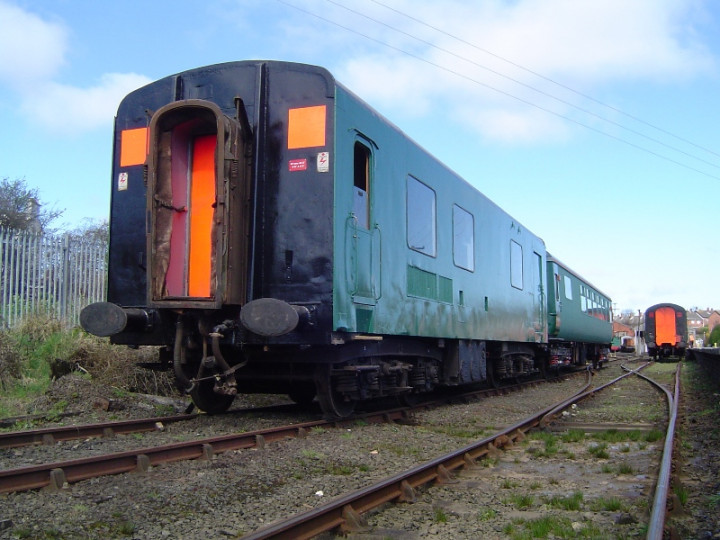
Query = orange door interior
x=665 y=326
x=202 y=212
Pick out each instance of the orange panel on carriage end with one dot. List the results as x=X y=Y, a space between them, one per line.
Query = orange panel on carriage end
x=202 y=212
x=133 y=146
x=665 y=326
x=306 y=127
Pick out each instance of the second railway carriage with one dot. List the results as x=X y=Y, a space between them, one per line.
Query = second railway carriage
x=666 y=331
x=579 y=318
x=273 y=233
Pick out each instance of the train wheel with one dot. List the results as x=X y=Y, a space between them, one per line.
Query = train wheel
x=332 y=403
x=208 y=400
x=302 y=395
x=410 y=399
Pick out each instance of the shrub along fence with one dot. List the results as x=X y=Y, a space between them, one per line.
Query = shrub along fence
x=51 y=275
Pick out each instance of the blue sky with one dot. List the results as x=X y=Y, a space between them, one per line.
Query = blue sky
x=596 y=124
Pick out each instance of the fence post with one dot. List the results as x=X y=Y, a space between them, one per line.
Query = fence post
x=56 y=274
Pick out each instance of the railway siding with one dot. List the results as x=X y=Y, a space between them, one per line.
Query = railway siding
x=235 y=493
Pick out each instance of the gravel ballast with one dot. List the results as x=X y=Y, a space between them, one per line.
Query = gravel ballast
x=237 y=492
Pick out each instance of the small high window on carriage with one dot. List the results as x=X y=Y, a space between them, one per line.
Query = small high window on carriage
x=361 y=191
x=463 y=238
x=568 y=288
x=421 y=217
x=516 y=265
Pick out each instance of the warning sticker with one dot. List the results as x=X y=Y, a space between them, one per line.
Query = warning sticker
x=123 y=181
x=323 y=162
x=297 y=165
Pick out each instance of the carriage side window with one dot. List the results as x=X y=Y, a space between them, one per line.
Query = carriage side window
x=463 y=238
x=421 y=217
x=361 y=181
x=557 y=286
x=568 y=287
x=516 y=265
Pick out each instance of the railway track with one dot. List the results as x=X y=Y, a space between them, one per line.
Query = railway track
x=238 y=492
x=346 y=513
x=55 y=475
x=51 y=435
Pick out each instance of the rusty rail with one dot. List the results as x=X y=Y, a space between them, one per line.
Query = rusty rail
x=51 y=435
x=346 y=511
x=565 y=404
x=657 y=516
x=54 y=475
x=12 y=439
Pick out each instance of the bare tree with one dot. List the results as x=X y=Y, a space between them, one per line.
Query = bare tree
x=21 y=208
x=91 y=230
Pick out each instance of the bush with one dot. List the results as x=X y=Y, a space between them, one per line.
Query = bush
x=40 y=350
x=10 y=361
x=714 y=336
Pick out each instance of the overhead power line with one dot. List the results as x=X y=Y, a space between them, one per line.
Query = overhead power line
x=518 y=82
x=508 y=94
x=548 y=79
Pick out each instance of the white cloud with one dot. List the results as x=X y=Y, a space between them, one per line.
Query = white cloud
x=31 y=49
x=33 y=52
x=583 y=45
x=68 y=109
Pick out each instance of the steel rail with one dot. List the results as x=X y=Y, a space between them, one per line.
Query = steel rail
x=51 y=435
x=13 y=439
x=656 y=525
x=657 y=516
x=567 y=403
x=345 y=511
x=55 y=475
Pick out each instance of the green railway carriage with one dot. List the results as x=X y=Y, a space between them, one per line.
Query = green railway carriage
x=273 y=233
x=420 y=252
x=579 y=318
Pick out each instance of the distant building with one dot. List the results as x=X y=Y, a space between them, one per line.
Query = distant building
x=710 y=317
x=628 y=328
x=620 y=329
x=698 y=319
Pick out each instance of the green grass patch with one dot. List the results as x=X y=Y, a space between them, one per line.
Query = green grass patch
x=682 y=494
x=616 y=436
x=550 y=444
x=506 y=483
x=573 y=436
x=571 y=503
x=552 y=527
x=599 y=451
x=460 y=432
x=486 y=514
x=339 y=469
x=654 y=435
x=521 y=501
x=609 y=504
x=440 y=516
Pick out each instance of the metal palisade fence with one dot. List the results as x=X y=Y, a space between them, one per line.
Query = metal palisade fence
x=49 y=275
